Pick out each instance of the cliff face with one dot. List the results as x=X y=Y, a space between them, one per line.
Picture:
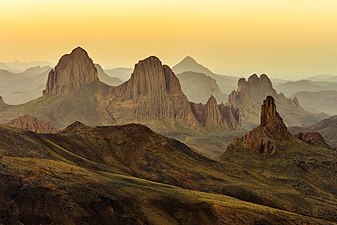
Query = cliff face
x=153 y=92
x=212 y=115
x=152 y=96
x=252 y=92
x=33 y=124
x=73 y=71
x=263 y=139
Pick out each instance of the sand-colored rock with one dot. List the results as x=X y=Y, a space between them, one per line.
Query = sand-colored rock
x=264 y=138
x=153 y=92
x=73 y=71
x=212 y=115
x=249 y=95
x=33 y=124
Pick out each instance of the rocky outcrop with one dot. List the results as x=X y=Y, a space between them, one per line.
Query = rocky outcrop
x=73 y=71
x=250 y=93
x=213 y=115
x=33 y=124
x=2 y=103
x=313 y=138
x=153 y=92
x=112 y=81
x=264 y=138
x=152 y=96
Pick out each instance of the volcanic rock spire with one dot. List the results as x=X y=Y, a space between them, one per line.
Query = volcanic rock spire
x=264 y=138
x=73 y=71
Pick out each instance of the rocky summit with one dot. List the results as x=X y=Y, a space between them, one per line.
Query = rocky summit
x=154 y=93
x=31 y=123
x=250 y=93
x=73 y=71
x=263 y=139
x=212 y=115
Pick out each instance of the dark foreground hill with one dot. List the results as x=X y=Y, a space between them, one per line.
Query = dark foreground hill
x=132 y=175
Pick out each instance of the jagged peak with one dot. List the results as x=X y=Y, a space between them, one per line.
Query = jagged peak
x=211 y=100
x=269 y=115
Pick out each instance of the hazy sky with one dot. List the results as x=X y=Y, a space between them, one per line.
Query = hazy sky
x=278 y=37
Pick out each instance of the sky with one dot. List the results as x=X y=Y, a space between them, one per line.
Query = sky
x=284 y=38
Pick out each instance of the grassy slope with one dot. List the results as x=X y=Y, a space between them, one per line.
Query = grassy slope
x=47 y=190
x=283 y=182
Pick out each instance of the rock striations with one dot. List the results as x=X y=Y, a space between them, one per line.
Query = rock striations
x=252 y=92
x=73 y=71
x=154 y=92
x=264 y=138
x=152 y=96
x=33 y=124
x=213 y=115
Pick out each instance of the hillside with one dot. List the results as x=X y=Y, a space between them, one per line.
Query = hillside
x=198 y=87
x=291 y=87
x=322 y=101
x=327 y=128
x=188 y=64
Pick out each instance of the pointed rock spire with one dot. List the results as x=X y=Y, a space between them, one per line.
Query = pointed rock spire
x=263 y=138
x=269 y=115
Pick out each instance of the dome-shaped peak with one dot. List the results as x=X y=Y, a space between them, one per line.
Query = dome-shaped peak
x=253 y=79
x=79 y=50
x=73 y=71
x=150 y=59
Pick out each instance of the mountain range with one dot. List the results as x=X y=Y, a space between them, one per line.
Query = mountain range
x=152 y=96
x=252 y=91
x=131 y=175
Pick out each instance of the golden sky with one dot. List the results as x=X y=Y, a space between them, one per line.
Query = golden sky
x=284 y=38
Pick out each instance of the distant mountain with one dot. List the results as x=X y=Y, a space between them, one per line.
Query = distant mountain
x=323 y=77
x=4 y=66
x=22 y=66
x=291 y=87
x=18 y=88
x=198 y=87
x=226 y=83
x=123 y=74
x=151 y=96
x=322 y=101
x=250 y=93
x=112 y=81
